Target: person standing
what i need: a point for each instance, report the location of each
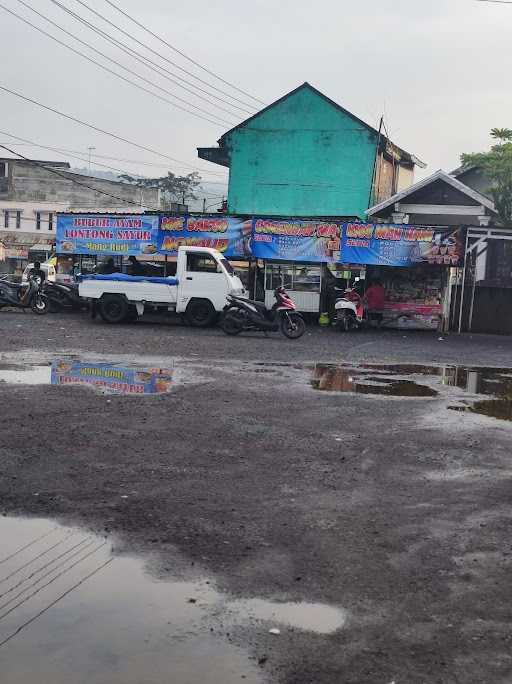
(374, 297)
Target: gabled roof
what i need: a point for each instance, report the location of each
(438, 175)
(307, 86)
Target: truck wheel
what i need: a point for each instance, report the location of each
(113, 308)
(200, 313)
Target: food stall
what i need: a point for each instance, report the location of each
(414, 296)
(303, 282)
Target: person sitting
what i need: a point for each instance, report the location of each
(107, 267)
(36, 273)
(135, 268)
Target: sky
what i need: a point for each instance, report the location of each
(435, 70)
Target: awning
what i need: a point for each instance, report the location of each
(41, 247)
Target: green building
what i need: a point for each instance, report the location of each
(305, 155)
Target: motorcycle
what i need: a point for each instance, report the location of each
(23, 296)
(349, 311)
(63, 296)
(245, 314)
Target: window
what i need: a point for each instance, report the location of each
(3, 169)
(201, 263)
(228, 266)
(50, 221)
(38, 220)
(18, 219)
(6, 218)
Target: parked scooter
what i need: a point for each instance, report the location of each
(63, 296)
(245, 314)
(349, 311)
(23, 296)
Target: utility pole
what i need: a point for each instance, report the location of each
(204, 205)
(90, 151)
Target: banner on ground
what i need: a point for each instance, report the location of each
(121, 235)
(382, 244)
(291, 240)
(112, 379)
(228, 234)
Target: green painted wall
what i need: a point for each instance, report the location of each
(301, 157)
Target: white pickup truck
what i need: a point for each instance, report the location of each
(203, 280)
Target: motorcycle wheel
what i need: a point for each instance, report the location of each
(54, 305)
(293, 326)
(344, 321)
(231, 326)
(40, 305)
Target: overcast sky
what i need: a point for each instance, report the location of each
(436, 70)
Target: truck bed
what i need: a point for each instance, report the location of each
(134, 288)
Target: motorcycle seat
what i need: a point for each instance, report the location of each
(258, 305)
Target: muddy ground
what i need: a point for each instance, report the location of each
(396, 510)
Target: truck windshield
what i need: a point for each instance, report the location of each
(227, 266)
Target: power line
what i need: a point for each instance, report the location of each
(101, 156)
(175, 49)
(158, 54)
(63, 572)
(84, 185)
(497, 2)
(127, 80)
(50, 605)
(64, 154)
(23, 548)
(95, 128)
(148, 63)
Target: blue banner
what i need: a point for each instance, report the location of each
(293, 240)
(112, 378)
(228, 234)
(120, 235)
(384, 244)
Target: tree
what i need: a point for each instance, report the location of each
(497, 166)
(173, 188)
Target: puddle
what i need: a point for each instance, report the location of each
(105, 378)
(29, 375)
(404, 380)
(73, 611)
(312, 617)
(331, 378)
(70, 611)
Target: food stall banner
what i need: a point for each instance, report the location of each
(292, 240)
(120, 235)
(228, 234)
(112, 379)
(386, 244)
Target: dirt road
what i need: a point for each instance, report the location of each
(395, 510)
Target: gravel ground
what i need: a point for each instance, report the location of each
(393, 509)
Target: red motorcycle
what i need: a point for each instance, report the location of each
(245, 314)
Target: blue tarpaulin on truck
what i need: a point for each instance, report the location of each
(125, 278)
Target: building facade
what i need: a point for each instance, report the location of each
(31, 194)
(305, 155)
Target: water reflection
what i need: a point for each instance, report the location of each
(112, 378)
(332, 378)
(402, 380)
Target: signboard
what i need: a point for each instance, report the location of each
(291, 240)
(383, 244)
(228, 234)
(112, 379)
(121, 235)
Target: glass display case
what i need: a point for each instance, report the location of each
(303, 283)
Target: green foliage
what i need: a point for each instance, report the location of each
(173, 188)
(497, 166)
